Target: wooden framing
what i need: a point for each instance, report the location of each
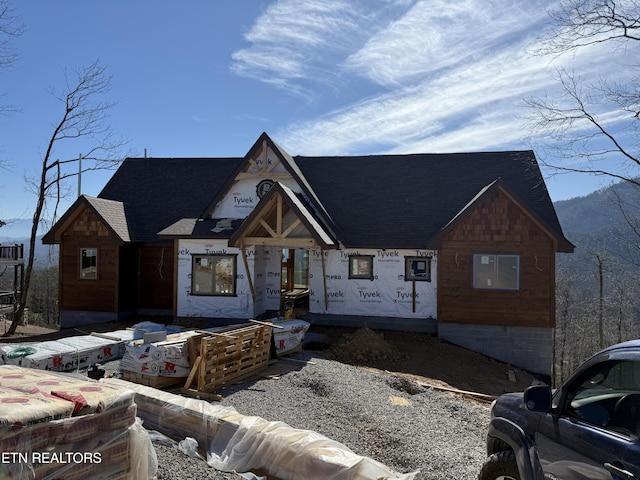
(276, 224)
(12, 255)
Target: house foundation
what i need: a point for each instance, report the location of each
(529, 348)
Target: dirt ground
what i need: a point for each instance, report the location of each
(425, 358)
(420, 357)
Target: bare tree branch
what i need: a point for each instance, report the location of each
(577, 133)
(592, 126)
(583, 23)
(10, 28)
(83, 116)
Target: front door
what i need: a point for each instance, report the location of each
(295, 276)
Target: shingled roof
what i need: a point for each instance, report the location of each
(375, 201)
(157, 192)
(403, 201)
(110, 211)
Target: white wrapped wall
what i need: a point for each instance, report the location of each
(264, 268)
(387, 295)
(243, 197)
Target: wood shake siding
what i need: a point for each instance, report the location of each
(497, 226)
(87, 231)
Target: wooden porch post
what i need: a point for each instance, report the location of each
(324, 280)
(246, 267)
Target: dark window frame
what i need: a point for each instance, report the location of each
(196, 261)
(494, 281)
(85, 271)
(353, 259)
(410, 269)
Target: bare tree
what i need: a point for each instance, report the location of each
(9, 29)
(84, 116)
(594, 122)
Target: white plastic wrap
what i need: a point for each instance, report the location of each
(67, 354)
(289, 453)
(240, 443)
(59, 425)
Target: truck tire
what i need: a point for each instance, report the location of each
(500, 466)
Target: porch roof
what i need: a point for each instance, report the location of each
(282, 218)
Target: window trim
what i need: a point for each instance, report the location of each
(81, 268)
(360, 276)
(213, 257)
(412, 277)
(497, 256)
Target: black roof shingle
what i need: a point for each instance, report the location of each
(402, 201)
(157, 192)
(375, 201)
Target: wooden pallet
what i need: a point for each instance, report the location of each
(151, 381)
(230, 356)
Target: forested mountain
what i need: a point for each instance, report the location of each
(597, 286)
(604, 224)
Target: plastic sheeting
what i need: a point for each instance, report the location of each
(59, 425)
(235, 442)
(289, 453)
(67, 354)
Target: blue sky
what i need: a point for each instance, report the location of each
(204, 78)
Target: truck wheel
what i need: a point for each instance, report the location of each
(500, 466)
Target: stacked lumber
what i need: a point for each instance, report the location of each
(67, 354)
(58, 425)
(179, 417)
(202, 360)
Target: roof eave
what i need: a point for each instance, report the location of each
(561, 243)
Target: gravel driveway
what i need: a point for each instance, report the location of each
(388, 418)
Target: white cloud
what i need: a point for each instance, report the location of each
(445, 76)
(200, 118)
(304, 40)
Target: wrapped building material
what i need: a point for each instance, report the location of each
(66, 354)
(244, 443)
(289, 338)
(59, 425)
(168, 358)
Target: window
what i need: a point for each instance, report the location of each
(213, 275)
(361, 266)
(89, 263)
(608, 395)
(417, 269)
(496, 271)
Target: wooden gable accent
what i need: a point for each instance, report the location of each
(261, 165)
(277, 222)
(85, 229)
(497, 225)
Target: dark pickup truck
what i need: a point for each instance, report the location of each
(588, 429)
